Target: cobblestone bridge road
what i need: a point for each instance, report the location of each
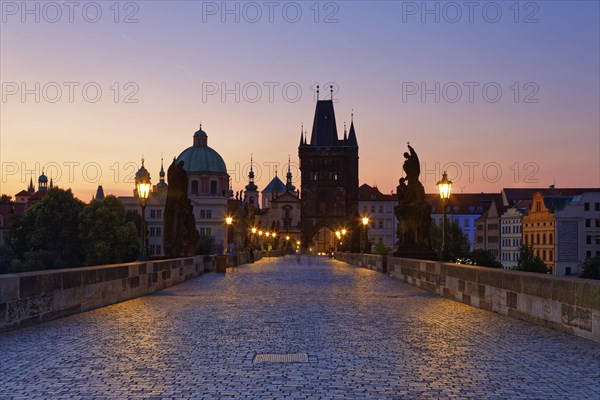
(366, 335)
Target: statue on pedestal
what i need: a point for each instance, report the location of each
(180, 234)
(413, 213)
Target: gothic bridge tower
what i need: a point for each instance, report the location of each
(329, 183)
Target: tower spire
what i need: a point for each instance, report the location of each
(317, 92)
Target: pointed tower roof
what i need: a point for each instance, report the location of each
(161, 186)
(251, 186)
(100, 193)
(324, 132)
(289, 186)
(31, 188)
(352, 136)
(302, 139)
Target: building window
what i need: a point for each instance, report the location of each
(158, 249)
(213, 187)
(544, 255)
(598, 223)
(544, 238)
(550, 241)
(596, 206)
(588, 239)
(381, 209)
(205, 214)
(152, 213)
(380, 224)
(372, 209)
(588, 223)
(194, 187)
(588, 254)
(537, 239)
(152, 231)
(151, 249)
(586, 206)
(551, 256)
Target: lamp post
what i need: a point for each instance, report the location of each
(229, 222)
(445, 187)
(365, 222)
(143, 185)
(252, 239)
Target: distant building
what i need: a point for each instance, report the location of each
(379, 208)
(564, 230)
(464, 209)
(208, 190)
(488, 229)
(511, 233)
(281, 208)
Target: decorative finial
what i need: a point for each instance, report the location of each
(352, 116)
(200, 125)
(344, 127)
(331, 91)
(142, 160)
(317, 92)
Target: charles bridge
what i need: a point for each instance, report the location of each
(278, 329)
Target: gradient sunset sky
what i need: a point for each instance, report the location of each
(168, 58)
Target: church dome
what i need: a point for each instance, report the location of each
(43, 178)
(200, 158)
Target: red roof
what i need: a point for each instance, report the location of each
(22, 193)
(369, 193)
(464, 203)
(511, 196)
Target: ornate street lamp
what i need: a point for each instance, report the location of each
(365, 222)
(229, 222)
(143, 186)
(445, 187)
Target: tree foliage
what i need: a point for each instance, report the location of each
(60, 231)
(591, 268)
(5, 200)
(46, 236)
(484, 258)
(529, 262)
(106, 235)
(457, 244)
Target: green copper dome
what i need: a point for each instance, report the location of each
(200, 158)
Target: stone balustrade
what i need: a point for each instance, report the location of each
(570, 305)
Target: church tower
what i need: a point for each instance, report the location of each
(329, 181)
(251, 195)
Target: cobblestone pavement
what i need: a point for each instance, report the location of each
(367, 336)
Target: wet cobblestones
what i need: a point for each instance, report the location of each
(367, 336)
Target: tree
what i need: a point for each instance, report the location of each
(107, 237)
(205, 245)
(46, 236)
(528, 262)
(591, 268)
(5, 200)
(381, 249)
(457, 244)
(484, 258)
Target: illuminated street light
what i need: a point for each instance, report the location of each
(445, 187)
(143, 185)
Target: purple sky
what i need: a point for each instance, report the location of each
(424, 72)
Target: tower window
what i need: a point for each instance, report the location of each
(213, 187)
(194, 187)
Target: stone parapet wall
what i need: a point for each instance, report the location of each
(32, 297)
(370, 261)
(570, 305)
